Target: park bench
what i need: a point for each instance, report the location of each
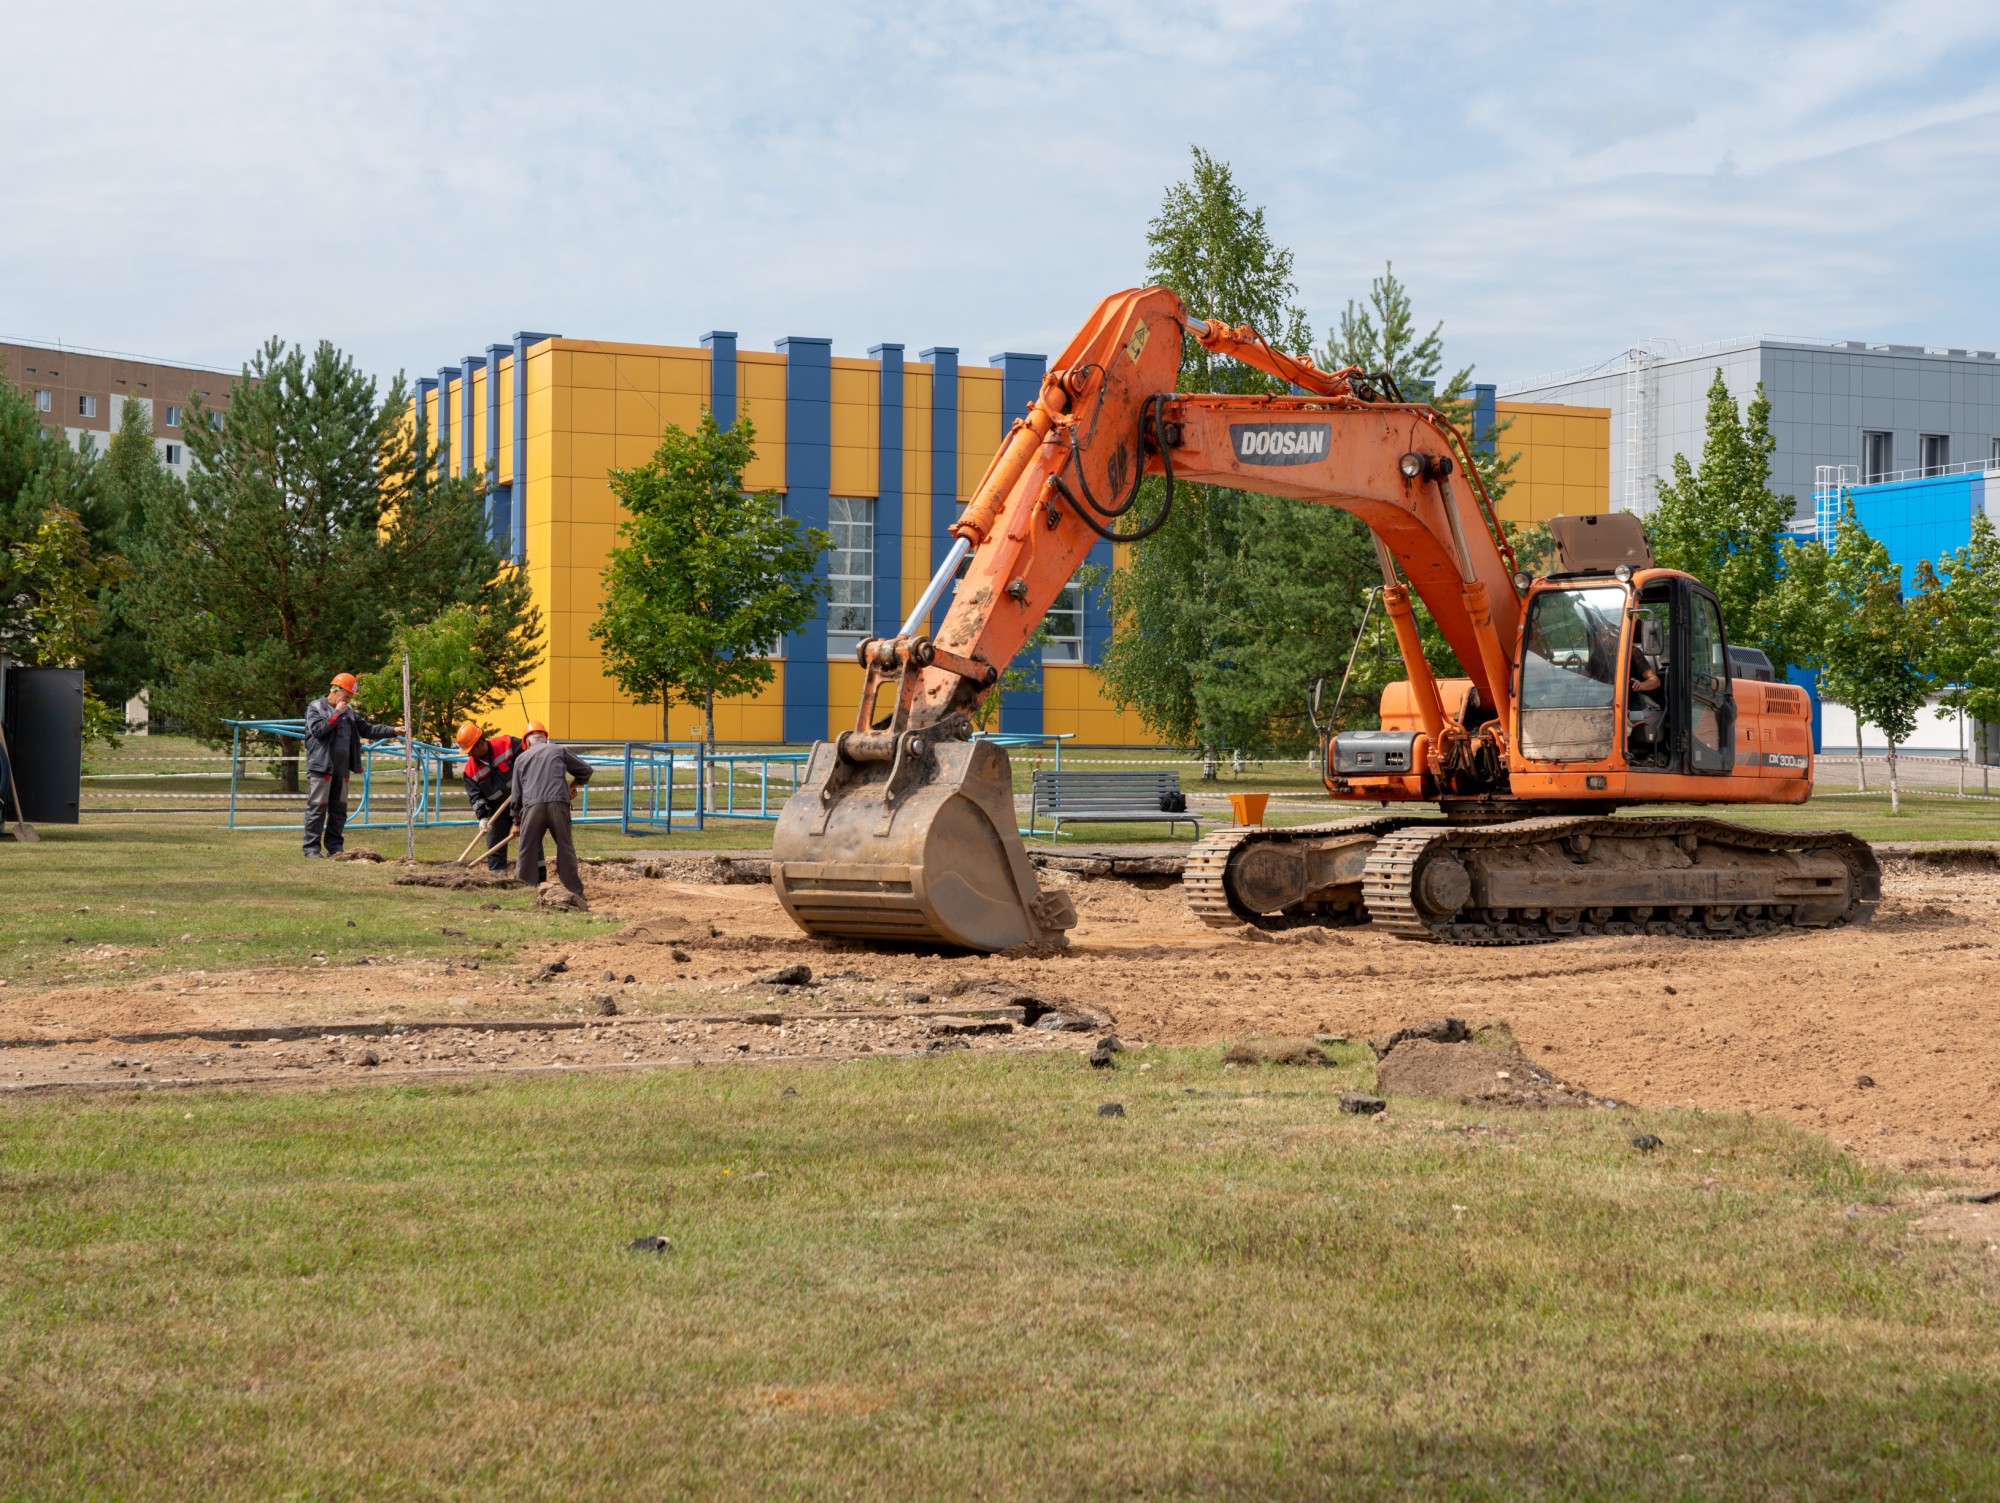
(1108, 798)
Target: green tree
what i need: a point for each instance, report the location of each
(65, 579)
(132, 484)
(310, 527)
(1723, 524)
(1844, 606)
(705, 576)
(455, 675)
(38, 469)
(1958, 601)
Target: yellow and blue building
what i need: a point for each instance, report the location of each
(881, 452)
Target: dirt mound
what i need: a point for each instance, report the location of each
(1471, 1073)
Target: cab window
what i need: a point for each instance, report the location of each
(1571, 658)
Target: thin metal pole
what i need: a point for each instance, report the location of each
(409, 766)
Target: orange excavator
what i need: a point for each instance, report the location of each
(1606, 684)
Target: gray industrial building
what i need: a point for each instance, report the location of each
(1842, 411)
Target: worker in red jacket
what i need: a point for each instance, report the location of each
(489, 776)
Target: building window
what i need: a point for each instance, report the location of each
(86, 406)
(1877, 457)
(850, 574)
(1064, 642)
(173, 417)
(215, 421)
(45, 401)
(173, 454)
(1994, 462)
(1937, 452)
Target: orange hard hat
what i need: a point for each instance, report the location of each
(342, 681)
(534, 726)
(469, 736)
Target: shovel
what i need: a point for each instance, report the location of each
(485, 825)
(22, 829)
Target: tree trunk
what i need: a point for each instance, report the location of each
(1895, 793)
(1961, 754)
(288, 769)
(1860, 754)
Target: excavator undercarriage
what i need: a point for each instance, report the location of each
(1533, 881)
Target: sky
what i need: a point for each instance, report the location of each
(1554, 182)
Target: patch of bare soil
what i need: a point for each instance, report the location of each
(1786, 1025)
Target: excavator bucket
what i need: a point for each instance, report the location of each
(922, 849)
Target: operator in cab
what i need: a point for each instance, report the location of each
(489, 772)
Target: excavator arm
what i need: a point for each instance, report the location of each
(903, 827)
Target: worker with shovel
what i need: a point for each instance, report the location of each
(543, 799)
(335, 729)
(489, 776)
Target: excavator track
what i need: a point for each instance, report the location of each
(1205, 877)
(1830, 877)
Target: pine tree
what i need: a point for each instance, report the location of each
(704, 576)
(311, 526)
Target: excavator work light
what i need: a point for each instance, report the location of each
(1417, 466)
(1522, 581)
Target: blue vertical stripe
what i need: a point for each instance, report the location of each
(466, 367)
(517, 527)
(426, 388)
(721, 347)
(944, 453)
(445, 375)
(1485, 414)
(1020, 381)
(889, 490)
(808, 478)
(498, 515)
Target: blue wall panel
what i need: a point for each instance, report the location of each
(889, 491)
(1918, 519)
(1020, 381)
(499, 514)
(426, 385)
(446, 374)
(808, 478)
(721, 347)
(944, 454)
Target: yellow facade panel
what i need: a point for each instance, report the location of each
(638, 415)
(632, 450)
(591, 455)
(592, 370)
(854, 471)
(685, 373)
(592, 411)
(637, 372)
(682, 410)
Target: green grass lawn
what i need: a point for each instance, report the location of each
(950, 1278)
